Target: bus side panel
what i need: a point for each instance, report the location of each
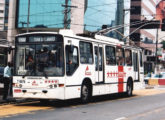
(73, 82)
(72, 92)
(129, 74)
(103, 89)
(111, 77)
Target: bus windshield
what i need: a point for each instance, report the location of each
(39, 59)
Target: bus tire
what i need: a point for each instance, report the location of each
(85, 93)
(129, 88)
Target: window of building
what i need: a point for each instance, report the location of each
(110, 55)
(110, 13)
(136, 10)
(43, 13)
(145, 52)
(1, 11)
(86, 53)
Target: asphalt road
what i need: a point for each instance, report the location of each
(113, 107)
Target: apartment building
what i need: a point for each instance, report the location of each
(146, 10)
(4, 5)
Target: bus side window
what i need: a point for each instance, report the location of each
(141, 60)
(110, 55)
(128, 57)
(120, 56)
(86, 53)
(72, 61)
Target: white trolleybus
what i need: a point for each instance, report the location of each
(63, 66)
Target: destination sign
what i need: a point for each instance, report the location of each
(22, 39)
(39, 38)
(36, 39)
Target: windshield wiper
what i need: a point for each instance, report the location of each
(24, 75)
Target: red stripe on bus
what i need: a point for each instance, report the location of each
(120, 79)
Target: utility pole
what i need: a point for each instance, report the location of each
(156, 54)
(66, 14)
(66, 11)
(28, 17)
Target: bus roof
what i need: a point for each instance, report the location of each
(97, 38)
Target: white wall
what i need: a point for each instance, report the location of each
(77, 16)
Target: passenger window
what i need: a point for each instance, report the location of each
(128, 57)
(120, 56)
(141, 60)
(72, 61)
(86, 53)
(110, 55)
(135, 61)
(98, 58)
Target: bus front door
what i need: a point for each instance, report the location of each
(98, 63)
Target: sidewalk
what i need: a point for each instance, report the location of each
(10, 100)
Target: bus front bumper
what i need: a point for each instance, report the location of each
(57, 93)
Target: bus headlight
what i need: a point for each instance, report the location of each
(17, 85)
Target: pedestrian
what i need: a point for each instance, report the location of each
(7, 80)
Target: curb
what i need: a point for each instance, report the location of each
(149, 87)
(11, 101)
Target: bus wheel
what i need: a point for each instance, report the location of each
(129, 88)
(85, 93)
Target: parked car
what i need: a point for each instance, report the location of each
(162, 73)
(153, 76)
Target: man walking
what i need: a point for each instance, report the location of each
(7, 79)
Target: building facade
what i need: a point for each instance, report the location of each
(147, 38)
(4, 5)
(143, 10)
(80, 16)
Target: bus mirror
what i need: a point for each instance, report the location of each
(71, 48)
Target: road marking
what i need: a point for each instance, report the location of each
(121, 118)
